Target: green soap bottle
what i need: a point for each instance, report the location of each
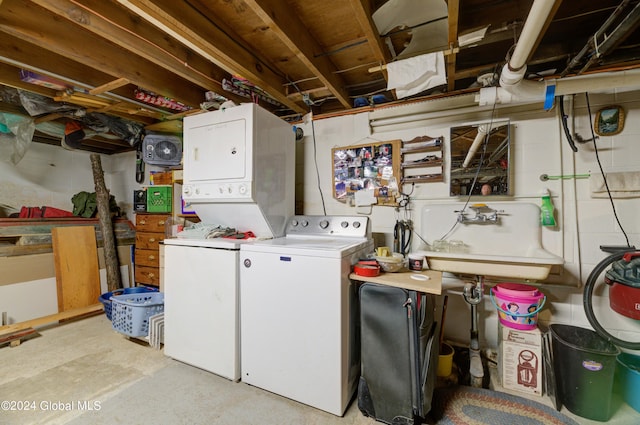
(546, 211)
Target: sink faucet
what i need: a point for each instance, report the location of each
(482, 214)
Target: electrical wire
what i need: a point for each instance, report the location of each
(315, 159)
(477, 174)
(604, 177)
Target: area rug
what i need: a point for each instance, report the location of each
(464, 405)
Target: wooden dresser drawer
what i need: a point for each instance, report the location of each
(147, 275)
(146, 240)
(151, 222)
(147, 257)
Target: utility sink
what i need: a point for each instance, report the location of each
(509, 247)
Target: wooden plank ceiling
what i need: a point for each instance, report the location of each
(291, 56)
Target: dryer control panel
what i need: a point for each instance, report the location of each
(329, 225)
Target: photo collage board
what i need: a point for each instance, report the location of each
(373, 166)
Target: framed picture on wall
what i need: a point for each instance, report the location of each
(609, 121)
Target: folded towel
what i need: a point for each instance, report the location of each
(417, 74)
(621, 185)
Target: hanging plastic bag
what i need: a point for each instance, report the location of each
(16, 133)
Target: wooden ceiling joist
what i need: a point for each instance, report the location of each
(211, 43)
(38, 27)
(277, 15)
(109, 86)
(453, 15)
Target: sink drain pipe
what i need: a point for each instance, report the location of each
(472, 294)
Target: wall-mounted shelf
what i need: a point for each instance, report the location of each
(422, 160)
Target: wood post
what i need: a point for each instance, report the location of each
(106, 225)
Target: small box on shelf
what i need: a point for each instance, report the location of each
(160, 178)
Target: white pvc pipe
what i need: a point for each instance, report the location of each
(482, 132)
(534, 91)
(533, 26)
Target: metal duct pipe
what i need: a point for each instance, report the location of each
(622, 31)
(589, 44)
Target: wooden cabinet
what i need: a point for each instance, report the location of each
(150, 231)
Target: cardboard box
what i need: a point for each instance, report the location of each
(520, 360)
(160, 178)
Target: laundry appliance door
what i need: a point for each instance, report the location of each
(201, 308)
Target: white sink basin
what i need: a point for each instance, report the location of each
(510, 248)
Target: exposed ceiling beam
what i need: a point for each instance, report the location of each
(114, 23)
(453, 7)
(277, 15)
(36, 26)
(363, 13)
(196, 32)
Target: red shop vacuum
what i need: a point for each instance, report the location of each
(623, 279)
(622, 275)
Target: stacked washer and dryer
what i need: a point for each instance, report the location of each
(277, 311)
(238, 173)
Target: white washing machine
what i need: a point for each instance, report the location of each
(298, 310)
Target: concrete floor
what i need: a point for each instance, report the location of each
(85, 373)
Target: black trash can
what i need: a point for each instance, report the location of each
(584, 366)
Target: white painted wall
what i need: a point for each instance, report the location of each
(49, 176)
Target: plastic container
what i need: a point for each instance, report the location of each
(628, 370)
(105, 298)
(584, 364)
(517, 304)
(416, 262)
(547, 217)
(130, 312)
(445, 360)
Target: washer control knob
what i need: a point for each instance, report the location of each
(243, 189)
(304, 223)
(324, 224)
(294, 223)
(344, 224)
(356, 224)
(186, 190)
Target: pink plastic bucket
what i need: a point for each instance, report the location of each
(517, 304)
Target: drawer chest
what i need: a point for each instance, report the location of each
(150, 231)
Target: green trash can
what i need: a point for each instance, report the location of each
(584, 366)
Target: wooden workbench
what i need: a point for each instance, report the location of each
(407, 280)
